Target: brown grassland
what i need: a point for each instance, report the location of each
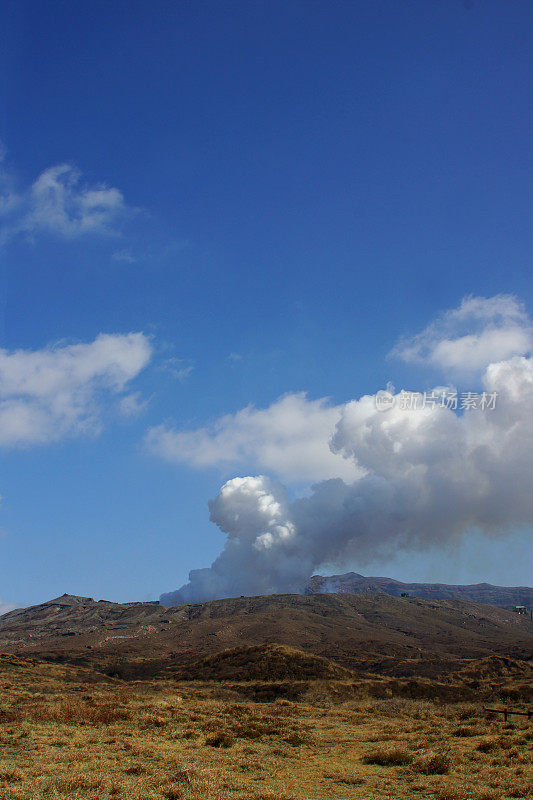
(69, 732)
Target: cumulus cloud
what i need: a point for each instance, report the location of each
(58, 391)
(420, 477)
(289, 438)
(61, 203)
(466, 339)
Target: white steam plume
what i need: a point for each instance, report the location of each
(427, 476)
(432, 475)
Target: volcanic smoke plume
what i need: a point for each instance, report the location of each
(428, 476)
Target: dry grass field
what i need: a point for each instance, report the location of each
(67, 732)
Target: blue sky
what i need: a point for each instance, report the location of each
(271, 195)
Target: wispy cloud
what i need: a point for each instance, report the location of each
(63, 390)
(178, 368)
(61, 203)
(133, 405)
(480, 331)
(124, 255)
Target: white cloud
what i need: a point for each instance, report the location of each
(466, 339)
(289, 438)
(59, 391)
(133, 405)
(59, 202)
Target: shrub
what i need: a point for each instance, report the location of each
(385, 758)
(75, 711)
(221, 739)
(433, 764)
(181, 776)
(9, 775)
(466, 731)
(10, 715)
(295, 739)
(134, 769)
(487, 746)
(174, 793)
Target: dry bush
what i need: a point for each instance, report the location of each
(123, 697)
(466, 731)
(518, 791)
(134, 769)
(9, 775)
(174, 793)
(249, 731)
(181, 776)
(488, 745)
(153, 721)
(80, 712)
(295, 739)
(10, 714)
(385, 758)
(220, 739)
(142, 669)
(433, 764)
(464, 711)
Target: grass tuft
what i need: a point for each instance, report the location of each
(433, 764)
(393, 757)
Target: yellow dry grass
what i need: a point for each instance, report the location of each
(66, 734)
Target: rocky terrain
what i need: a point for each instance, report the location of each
(353, 583)
(364, 633)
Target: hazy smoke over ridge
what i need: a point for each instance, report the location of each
(428, 476)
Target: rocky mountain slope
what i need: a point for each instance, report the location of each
(367, 633)
(353, 583)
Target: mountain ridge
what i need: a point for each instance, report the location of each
(364, 632)
(490, 594)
